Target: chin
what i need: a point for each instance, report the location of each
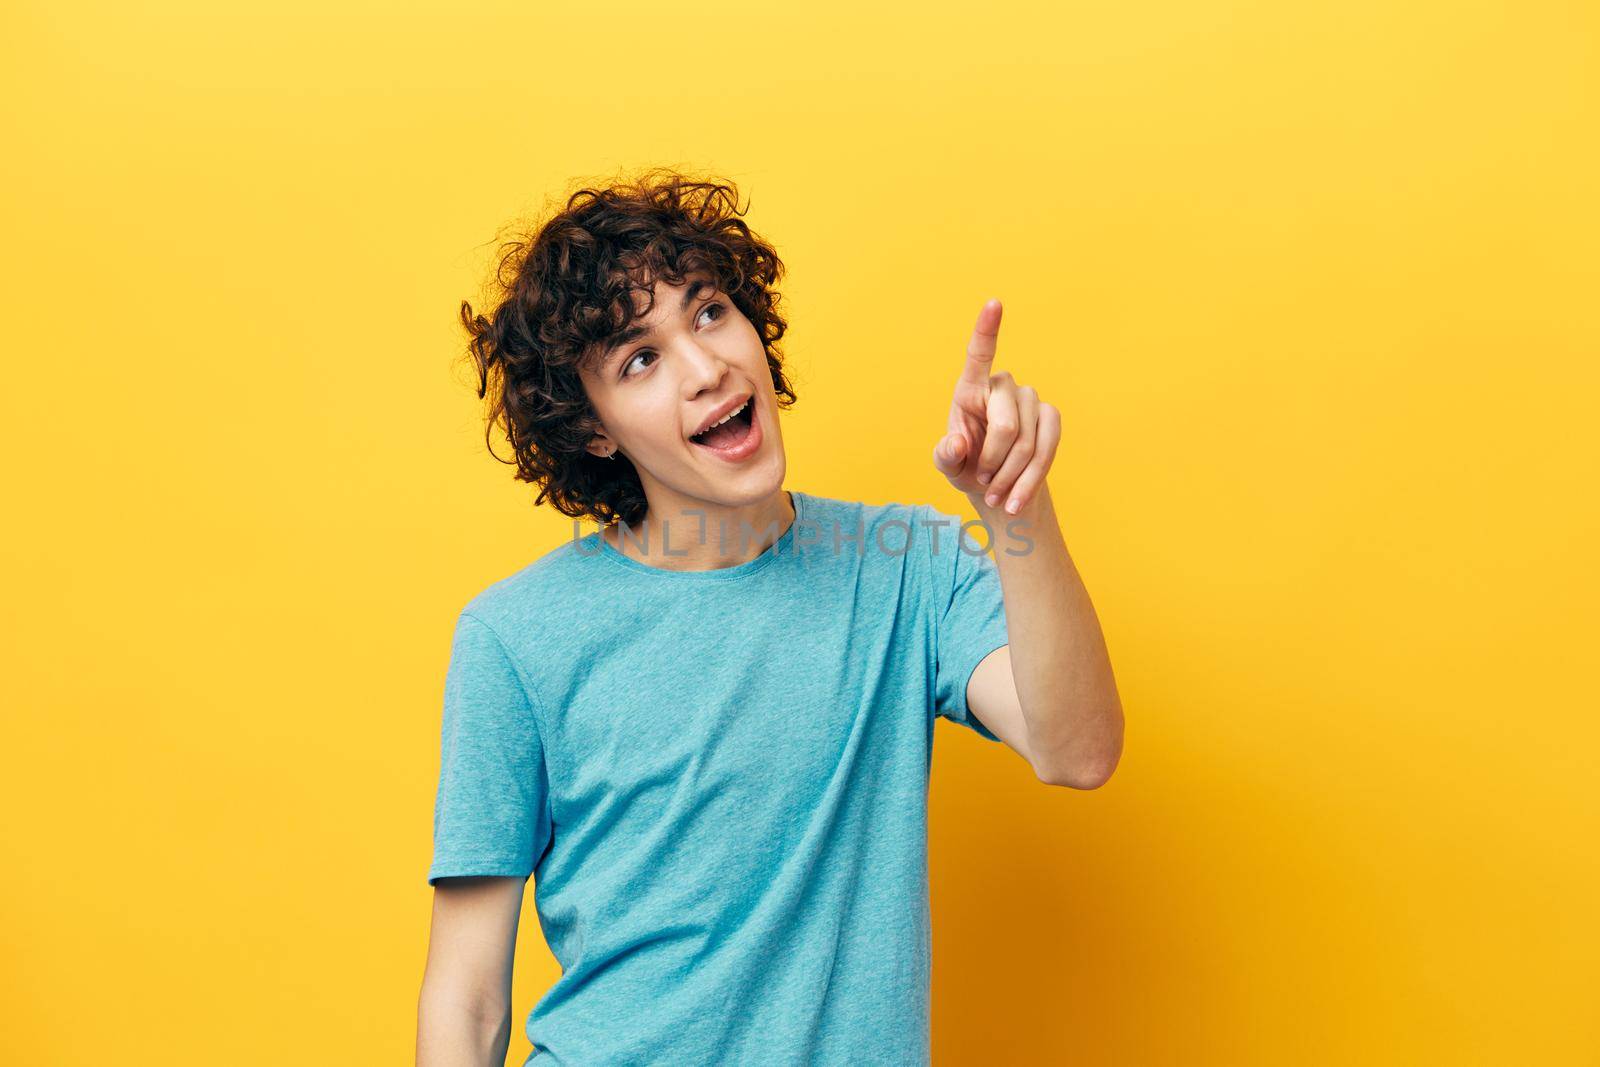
(742, 488)
(751, 487)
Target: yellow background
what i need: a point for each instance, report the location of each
(1313, 285)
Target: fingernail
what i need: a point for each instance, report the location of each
(1013, 504)
(992, 499)
(983, 479)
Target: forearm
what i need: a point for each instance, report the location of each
(453, 1033)
(1059, 662)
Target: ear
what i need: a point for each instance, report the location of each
(601, 445)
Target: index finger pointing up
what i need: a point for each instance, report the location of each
(980, 350)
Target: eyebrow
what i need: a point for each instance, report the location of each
(633, 333)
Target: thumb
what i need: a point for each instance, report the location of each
(949, 454)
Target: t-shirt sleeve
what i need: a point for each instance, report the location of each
(491, 812)
(971, 614)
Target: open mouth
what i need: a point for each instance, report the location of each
(731, 431)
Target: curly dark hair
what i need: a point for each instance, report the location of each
(562, 291)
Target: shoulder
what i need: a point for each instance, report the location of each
(892, 520)
(928, 530)
(534, 591)
(917, 541)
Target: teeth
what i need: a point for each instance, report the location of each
(725, 418)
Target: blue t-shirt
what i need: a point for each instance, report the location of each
(718, 780)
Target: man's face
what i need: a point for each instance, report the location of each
(697, 358)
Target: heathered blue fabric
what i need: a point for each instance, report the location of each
(719, 781)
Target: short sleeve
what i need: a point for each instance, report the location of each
(971, 614)
(491, 812)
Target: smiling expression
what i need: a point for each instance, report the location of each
(690, 362)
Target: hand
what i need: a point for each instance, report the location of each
(1002, 438)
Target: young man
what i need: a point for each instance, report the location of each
(705, 730)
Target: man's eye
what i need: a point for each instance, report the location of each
(637, 355)
(721, 312)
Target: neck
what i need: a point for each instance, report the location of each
(699, 535)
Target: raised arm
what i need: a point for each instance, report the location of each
(1050, 694)
(464, 1010)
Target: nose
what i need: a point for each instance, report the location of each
(704, 369)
